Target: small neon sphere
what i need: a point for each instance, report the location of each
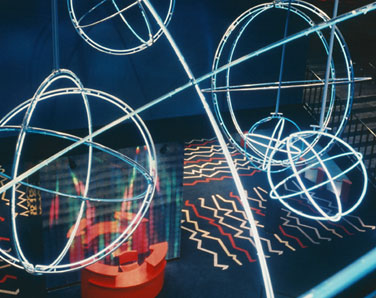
(335, 168)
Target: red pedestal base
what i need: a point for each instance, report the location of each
(127, 281)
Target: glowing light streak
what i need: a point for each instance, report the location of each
(217, 172)
(207, 180)
(306, 226)
(268, 242)
(292, 237)
(285, 85)
(206, 234)
(129, 26)
(189, 159)
(6, 277)
(354, 226)
(191, 144)
(301, 202)
(258, 211)
(249, 198)
(344, 278)
(211, 166)
(342, 227)
(286, 224)
(211, 150)
(221, 219)
(330, 230)
(282, 57)
(263, 190)
(286, 243)
(362, 223)
(258, 194)
(229, 236)
(313, 194)
(9, 292)
(199, 247)
(235, 208)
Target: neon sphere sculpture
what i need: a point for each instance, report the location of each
(331, 174)
(45, 95)
(136, 31)
(227, 90)
(262, 144)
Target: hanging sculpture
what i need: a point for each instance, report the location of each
(298, 147)
(225, 55)
(133, 19)
(272, 150)
(305, 139)
(47, 94)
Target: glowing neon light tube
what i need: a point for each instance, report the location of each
(286, 84)
(226, 152)
(352, 14)
(344, 278)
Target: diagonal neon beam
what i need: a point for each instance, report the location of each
(347, 16)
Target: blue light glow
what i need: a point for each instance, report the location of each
(344, 278)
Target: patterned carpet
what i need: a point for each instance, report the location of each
(218, 257)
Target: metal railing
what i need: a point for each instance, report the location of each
(356, 132)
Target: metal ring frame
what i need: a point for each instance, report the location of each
(288, 143)
(28, 107)
(242, 22)
(119, 13)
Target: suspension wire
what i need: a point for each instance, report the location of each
(328, 63)
(282, 59)
(55, 35)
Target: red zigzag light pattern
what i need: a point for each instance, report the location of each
(293, 237)
(7, 276)
(212, 222)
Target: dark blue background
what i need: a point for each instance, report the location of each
(26, 57)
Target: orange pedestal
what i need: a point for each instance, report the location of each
(127, 281)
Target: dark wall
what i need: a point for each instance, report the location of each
(197, 26)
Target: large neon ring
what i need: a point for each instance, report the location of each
(317, 161)
(28, 107)
(140, 42)
(305, 11)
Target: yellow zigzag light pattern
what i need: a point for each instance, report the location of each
(279, 252)
(205, 234)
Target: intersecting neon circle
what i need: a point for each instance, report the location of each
(46, 94)
(317, 161)
(265, 136)
(225, 53)
(139, 35)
